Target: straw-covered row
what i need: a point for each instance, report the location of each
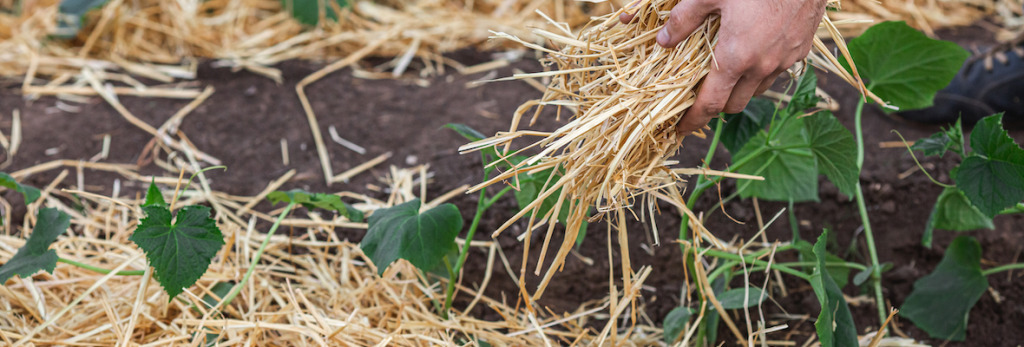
(627, 93)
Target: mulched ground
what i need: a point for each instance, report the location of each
(245, 120)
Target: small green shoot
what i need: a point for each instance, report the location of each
(179, 246)
(35, 255)
(28, 192)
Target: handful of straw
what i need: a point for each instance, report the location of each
(627, 93)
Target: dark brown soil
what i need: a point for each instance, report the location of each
(244, 121)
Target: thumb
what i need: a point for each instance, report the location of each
(685, 17)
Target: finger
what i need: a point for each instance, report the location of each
(767, 83)
(682, 21)
(627, 17)
(711, 99)
(741, 94)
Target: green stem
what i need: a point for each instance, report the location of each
(100, 270)
(876, 269)
(851, 265)
(749, 259)
(1019, 208)
(794, 223)
(256, 258)
(1007, 267)
(483, 203)
(701, 181)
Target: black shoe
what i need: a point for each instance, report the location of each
(988, 83)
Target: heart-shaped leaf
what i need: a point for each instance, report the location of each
(940, 302)
(179, 251)
(992, 176)
(403, 232)
(903, 66)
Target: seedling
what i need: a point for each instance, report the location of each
(989, 181)
(179, 246)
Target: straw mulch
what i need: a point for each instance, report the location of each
(313, 289)
(160, 39)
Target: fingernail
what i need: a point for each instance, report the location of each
(663, 37)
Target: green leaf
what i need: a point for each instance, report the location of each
(179, 251)
(865, 274)
(675, 323)
(35, 255)
(733, 299)
(992, 176)
(804, 97)
(940, 302)
(71, 16)
(937, 144)
(834, 150)
(835, 323)
(990, 140)
(467, 132)
(29, 193)
(308, 11)
(788, 165)
(903, 66)
(740, 127)
(314, 200)
(840, 274)
(990, 185)
(953, 211)
(153, 195)
(403, 232)
(221, 289)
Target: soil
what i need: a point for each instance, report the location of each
(245, 120)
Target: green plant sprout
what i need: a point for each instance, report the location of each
(178, 246)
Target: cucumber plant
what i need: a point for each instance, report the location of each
(790, 146)
(989, 181)
(178, 245)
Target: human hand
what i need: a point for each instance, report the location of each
(757, 40)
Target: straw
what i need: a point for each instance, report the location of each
(628, 93)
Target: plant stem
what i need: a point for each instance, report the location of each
(851, 265)
(749, 259)
(483, 203)
(100, 270)
(876, 269)
(1007, 267)
(1019, 208)
(256, 258)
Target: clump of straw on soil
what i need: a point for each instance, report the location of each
(627, 93)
